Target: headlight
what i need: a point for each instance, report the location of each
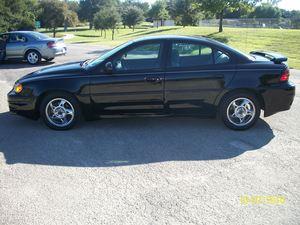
(18, 88)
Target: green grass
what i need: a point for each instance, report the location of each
(286, 42)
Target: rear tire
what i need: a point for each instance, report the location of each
(60, 111)
(240, 111)
(33, 57)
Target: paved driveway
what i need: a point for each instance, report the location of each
(12, 70)
(146, 170)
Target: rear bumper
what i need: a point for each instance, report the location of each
(53, 52)
(60, 51)
(24, 106)
(278, 98)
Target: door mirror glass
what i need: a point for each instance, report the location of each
(109, 67)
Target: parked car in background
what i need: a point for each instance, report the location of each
(33, 46)
(173, 75)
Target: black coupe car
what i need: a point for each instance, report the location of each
(173, 75)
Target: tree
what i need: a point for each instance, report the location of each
(73, 5)
(218, 7)
(99, 21)
(107, 18)
(17, 14)
(266, 10)
(132, 16)
(295, 19)
(112, 20)
(88, 8)
(185, 12)
(71, 17)
(293, 16)
(53, 14)
(242, 11)
(159, 11)
(144, 6)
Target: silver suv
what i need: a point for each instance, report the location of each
(32, 46)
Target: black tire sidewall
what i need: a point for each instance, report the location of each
(228, 99)
(68, 97)
(39, 57)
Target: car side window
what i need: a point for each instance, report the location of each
(15, 38)
(221, 57)
(21, 38)
(190, 55)
(143, 57)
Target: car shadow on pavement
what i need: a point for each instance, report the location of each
(126, 141)
(19, 64)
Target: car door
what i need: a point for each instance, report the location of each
(195, 76)
(135, 84)
(16, 45)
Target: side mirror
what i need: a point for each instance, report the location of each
(109, 67)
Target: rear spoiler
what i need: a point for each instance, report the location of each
(272, 56)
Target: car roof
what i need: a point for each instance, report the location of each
(207, 40)
(21, 32)
(171, 37)
(184, 38)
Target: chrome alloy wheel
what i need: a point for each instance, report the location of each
(241, 111)
(32, 57)
(59, 112)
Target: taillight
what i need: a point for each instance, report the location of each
(285, 75)
(51, 44)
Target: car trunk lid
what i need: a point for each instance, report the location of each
(55, 42)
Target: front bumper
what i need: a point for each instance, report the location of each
(22, 105)
(278, 98)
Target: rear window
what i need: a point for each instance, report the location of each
(39, 36)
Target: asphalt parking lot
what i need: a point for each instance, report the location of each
(154, 170)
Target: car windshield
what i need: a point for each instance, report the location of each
(39, 35)
(94, 62)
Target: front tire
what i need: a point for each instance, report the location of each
(240, 111)
(33, 57)
(60, 111)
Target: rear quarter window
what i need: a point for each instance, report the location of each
(221, 57)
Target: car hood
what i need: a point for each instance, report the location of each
(68, 69)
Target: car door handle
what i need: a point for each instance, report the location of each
(153, 79)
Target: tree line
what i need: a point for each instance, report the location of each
(108, 14)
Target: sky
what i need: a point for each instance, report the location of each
(290, 4)
(284, 4)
